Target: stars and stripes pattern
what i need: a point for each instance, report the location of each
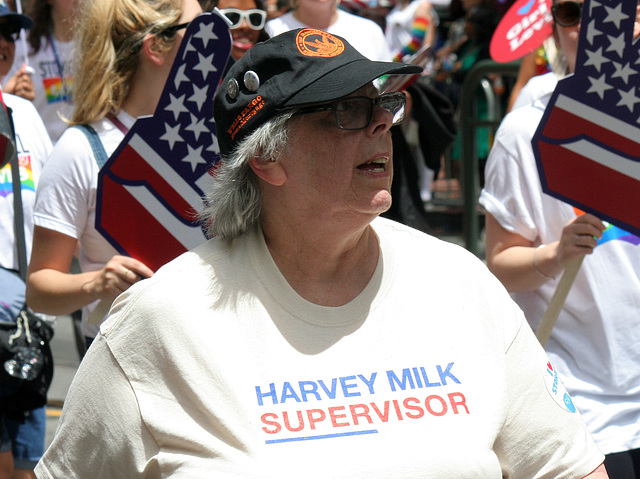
(153, 184)
(587, 145)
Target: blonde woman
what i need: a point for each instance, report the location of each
(125, 50)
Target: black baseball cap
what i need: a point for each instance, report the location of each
(17, 19)
(294, 68)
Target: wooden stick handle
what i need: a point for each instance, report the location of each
(557, 301)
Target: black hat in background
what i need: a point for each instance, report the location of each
(14, 18)
(295, 68)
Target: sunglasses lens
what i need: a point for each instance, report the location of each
(354, 113)
(234, 18)
(10, 34)
(394, 104)
(567, 14)
(256, 19)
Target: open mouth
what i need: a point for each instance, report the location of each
(242, 42)
(379, 165)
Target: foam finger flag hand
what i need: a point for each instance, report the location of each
(587, 145)
(151, 187)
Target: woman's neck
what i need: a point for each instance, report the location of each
(61, 27)
(329, 272)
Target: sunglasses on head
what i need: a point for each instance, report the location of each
(567, 14)
(9, 32)
(254, 17)
(173, 29)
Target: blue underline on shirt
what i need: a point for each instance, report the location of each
(323, 436)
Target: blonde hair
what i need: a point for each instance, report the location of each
(108, 44)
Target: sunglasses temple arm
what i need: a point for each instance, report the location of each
(217, 10)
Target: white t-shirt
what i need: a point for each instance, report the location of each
(537, 87)
(363, 34)
(66, 200)
(52, 87)
(33, 145)
(595, 342)
(399, 22)
(216, 367)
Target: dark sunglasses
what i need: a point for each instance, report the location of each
(567, 14)
(355, 112)
(173, 29)
(254, 17)
(10, 32)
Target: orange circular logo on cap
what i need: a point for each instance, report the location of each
(316, 43)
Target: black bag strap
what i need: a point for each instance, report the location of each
(99, 153)
(18, 212)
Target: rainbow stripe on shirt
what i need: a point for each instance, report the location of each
(26, 176)
(55, 90)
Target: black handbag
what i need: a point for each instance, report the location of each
(26, 362)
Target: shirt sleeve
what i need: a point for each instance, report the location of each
(544, 435)
(512, 189)
(101, 432)
(67, 190)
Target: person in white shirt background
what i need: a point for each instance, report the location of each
(21, 438)
(532, 237)
(48, 53)
(365, 35)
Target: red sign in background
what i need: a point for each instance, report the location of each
(522, 29)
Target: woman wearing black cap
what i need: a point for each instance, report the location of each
(297, 341)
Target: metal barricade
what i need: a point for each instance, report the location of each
(468, 126)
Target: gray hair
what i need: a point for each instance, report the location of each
(234, 202)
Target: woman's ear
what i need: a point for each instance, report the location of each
(270, 171)
(153, 49)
